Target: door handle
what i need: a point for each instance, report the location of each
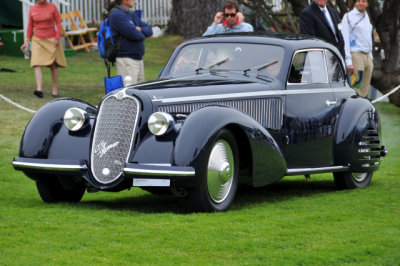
(329, 103)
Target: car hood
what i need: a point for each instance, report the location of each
(186, 87)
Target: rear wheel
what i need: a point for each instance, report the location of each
(51, 189)
(219, 173)
(347, 180)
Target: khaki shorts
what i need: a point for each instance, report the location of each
(130, 67)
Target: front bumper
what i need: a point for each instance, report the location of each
(145, 174)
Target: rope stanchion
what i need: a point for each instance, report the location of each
(386, 95)
(16, 104)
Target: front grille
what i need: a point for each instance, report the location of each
(369, 148)
(268, 112)
(113, 135)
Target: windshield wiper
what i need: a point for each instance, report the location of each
(260, 67)
(213, 65)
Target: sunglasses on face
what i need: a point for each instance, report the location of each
(230, 15)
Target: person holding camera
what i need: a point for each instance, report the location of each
(231, 20)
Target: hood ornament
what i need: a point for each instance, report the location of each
(120, 95)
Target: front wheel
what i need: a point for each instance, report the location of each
(51, 190)
(348, 180)
(218, 168)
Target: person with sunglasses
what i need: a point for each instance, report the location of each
(231, 20)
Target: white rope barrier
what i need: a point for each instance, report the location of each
(16, 104)
(386, 95)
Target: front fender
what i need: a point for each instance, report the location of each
(358, 138)
(199, 131)
(46, 137)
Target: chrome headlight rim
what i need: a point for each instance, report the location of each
(160, 123)
(75, 119)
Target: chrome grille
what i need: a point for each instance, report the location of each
(113, 136)
(268, 112)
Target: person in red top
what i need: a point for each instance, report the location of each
(46, 47)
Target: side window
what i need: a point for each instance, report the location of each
(308, 67)
(335, 70)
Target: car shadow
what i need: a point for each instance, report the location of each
(246, 196)
(282, 191)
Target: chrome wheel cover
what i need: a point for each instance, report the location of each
(220, 171)
(359, 177)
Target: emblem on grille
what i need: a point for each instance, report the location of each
(120, 95)
(102, 148)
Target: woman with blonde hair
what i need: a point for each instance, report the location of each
(46, 48)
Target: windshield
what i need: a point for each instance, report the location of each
(228, 56)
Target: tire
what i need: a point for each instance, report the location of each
(348, 180)
(218, 170)
(51, 190)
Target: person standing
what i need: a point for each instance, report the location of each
(357, 34)
(322, 21)
(46, 48)
(231, 20)
(129, 32)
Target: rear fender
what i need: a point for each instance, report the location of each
(358, 138)
(201, 127)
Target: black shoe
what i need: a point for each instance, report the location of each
(38, 94)
(55, 95)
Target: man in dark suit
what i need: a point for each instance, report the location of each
(322, 21)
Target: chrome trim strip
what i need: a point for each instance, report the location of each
(316, 170)
(165, 81)
(158, 172)
(249, 94)
(60, 167)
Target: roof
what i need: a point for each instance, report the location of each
(288, 40)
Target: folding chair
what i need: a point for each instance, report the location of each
(77, 17)
(81, 31)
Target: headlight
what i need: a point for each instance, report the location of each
(160, 123)
(75, 118)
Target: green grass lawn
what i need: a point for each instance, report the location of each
(295, 221)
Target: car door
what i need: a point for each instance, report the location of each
(310, 112)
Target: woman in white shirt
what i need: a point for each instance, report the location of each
(357, 35)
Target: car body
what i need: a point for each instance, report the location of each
(227, 109)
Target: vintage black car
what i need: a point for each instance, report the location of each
(225, 110)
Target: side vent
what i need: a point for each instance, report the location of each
(369, 148)
(268, 112)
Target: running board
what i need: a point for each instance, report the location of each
(303, 171)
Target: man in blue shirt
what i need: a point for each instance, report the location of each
(357, 34)
(129, 32)
(229, 21)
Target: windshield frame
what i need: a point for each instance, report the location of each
(201, 62)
